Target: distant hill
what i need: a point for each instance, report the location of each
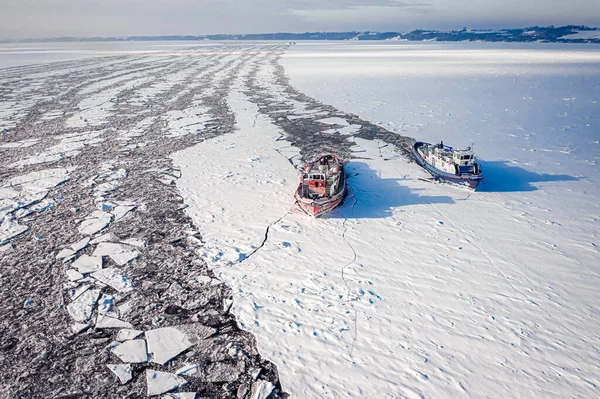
(541, 34)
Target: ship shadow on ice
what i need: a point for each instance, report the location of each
(501, 176)
(372, 197)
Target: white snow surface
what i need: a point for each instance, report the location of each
(412, 289)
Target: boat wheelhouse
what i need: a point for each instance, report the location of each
(322, 185)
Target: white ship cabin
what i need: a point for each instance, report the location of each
(448, 160)
(464, 157)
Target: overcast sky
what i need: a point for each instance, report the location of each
(52, 18)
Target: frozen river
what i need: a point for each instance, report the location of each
(153, 184)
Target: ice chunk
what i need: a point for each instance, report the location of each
(105, 305)
(117, 252)
(187, 369)
(136, 242)
(132, 351)
(180, 395)
(123, 371)
(79, 327)
(114, 279)
(88, 264)
(42, 205)
(74, 275)
(262, 389)
(166, 343)
(74, 293)
(10, 229)
(81, 244)
(334, 121)
(42, 180)
(65, 253)
(159, 382)
(121, 211)
(110, 322)
(126, 334)
(103, 238)
(81, 308)
(97, 221)
(125, 307)
(105, 206)
(125, 257)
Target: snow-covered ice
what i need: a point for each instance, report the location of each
(159, 382)
(88, 264)
(132, 351)
(127, 334)
(82, 307)
(166, 343)
(113, 278)
(121, 254)
(111, 322)
(412, 289)
(122, 371)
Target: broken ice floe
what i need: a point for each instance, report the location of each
(73, 275)
(262, 389)
(346, 130)
(188, 369)
(74, 293)
(88, 264)
(128, 334)
(131, 351)
(123, 371)
(81, 244)
(70, 145)
(21, 144)
(79, 327)
(105, 306)
(23, 195)
(110, 322)
(95, 222)
(81, 308)
(103, 238)
(166, 343)
(180, 395)
(188, 121)
(334, 121)
(114, 279)
(159, 382)
(10, 229)
(119, 253)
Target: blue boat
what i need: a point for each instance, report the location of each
(448, 165)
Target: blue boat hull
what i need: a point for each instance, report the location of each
(466, 179)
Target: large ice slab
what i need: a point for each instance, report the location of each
(121, 254)
(132, 351)
(166, 343)
(88, 264)
(122, 371)
(81, 309)
(95, 222)
(159, 382)
(111, 322)
(113, 278)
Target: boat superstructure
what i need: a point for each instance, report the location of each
(448, 164)
(322, 185)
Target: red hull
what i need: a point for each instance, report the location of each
(318, 207)
(322, 185)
